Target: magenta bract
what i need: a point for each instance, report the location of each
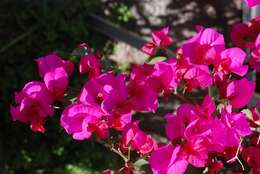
(33, 105)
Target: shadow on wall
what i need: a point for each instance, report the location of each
(181, 15)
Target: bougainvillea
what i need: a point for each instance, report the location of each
(252, 3)
(213, 131)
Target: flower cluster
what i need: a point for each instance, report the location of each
(35, 102)
(199, 137)
(212, 135)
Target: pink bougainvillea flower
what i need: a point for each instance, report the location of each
(204, 47)
(91, 65)
(109, 85)
(160, 39)
(105, 87)
(176, 124)
(239, 92)
(142, 97)
(255, 60)
(244, 35)
(33, 105)
(174, 127)
(165, 74)
(149, 48)
(252, 3)
(55, 73)
(231, 60)
(119, 121)
(236, 126)
(197, 76)
(160, 77)
(208, 131)
(109, 92)
(164, 160)
(241, 36)
(135, 138)
(56, 82)
(175, 160)
(140, 73)
(196, 150)
(51, 62)
(251, 155)
(82, 120)
(207, 107)
(254, 26)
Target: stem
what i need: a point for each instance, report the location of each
(113, 150)
(75, 90)
(120, 154)
(258, 140)
(240, 162)
(129, 153)
(19, 38)
(237, 152)
(236, 156)
(182, 98)
(210, 91)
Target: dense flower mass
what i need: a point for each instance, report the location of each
(212, 129)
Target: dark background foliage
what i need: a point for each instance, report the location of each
(30, 29)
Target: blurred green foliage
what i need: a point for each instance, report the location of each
(123, 13)
(30, 29)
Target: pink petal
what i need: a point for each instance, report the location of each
(56, 82)
(149, 49)
(239, 92)
(252, 3)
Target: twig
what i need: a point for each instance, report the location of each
(236, 156)
(19, 38)
(210, 91)
(120, 154)
(182, 98)
(129, 153)
(113, 150)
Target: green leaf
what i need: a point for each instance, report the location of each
(123, 68)
(139, 163)
(157, 59)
